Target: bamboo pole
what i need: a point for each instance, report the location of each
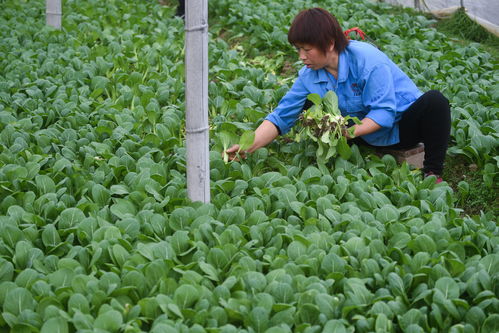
(196, 94)
(53, 12)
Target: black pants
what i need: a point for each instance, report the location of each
(427, 120)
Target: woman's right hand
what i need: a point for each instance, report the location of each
(264, 135)
(234, 153)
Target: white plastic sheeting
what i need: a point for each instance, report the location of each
(484, 12)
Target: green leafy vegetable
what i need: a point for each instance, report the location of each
(324, 124)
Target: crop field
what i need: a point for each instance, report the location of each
(98, 235)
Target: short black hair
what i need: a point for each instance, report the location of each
(317, 27)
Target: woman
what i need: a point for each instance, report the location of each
(393, 112)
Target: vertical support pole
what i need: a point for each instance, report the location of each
(53, 13)
(196, 94)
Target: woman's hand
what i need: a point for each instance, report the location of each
(264, 135)
(234, 153)
(367, 126)
(347, 132)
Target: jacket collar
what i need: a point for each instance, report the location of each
(343, 66)
(322, 74)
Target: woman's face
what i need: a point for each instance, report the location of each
(312, 57)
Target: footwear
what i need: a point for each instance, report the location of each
(439, 178)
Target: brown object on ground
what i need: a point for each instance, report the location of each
(413, 156)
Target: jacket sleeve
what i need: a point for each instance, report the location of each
(289, 108)
(379, 96)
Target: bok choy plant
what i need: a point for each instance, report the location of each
(324, 124)
(228, 138)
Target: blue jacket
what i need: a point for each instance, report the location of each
(369, 85)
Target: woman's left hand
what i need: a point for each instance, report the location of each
(348, 132)
(367, 126)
